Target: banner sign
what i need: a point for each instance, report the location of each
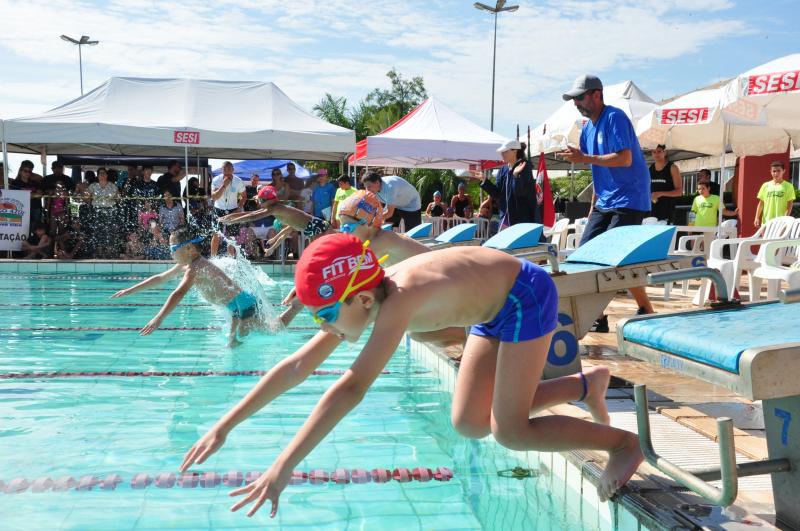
(695, 115)
(773, 83)
(186, 137)
(15, 216)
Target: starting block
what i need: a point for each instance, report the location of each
(753, 350)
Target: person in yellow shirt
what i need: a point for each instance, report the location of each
(776, 197)
(345, 190)
(706, 207)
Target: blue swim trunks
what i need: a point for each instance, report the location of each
(530, 311)
(244, 305)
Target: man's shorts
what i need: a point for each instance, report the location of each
(244, 305)
(530, 311)
(316, 227)
(229, 230)
(602, 220)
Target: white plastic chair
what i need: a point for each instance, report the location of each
(777, 261)
(558, 232)
(574, 239)
(650, 221)
(743, 259)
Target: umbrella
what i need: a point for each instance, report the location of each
(767, 96)
(246, 168)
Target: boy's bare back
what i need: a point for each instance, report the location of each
(397, 246)
(215, 286)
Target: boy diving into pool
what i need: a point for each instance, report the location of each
(498, 386)
(212, 283)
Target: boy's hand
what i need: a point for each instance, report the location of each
(154, 323)
(267, 487)
(202, 449)
(120, 293)
(289, 298)
(757, 222)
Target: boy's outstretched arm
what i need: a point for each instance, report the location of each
(286, 374)
(149, 282)
(245, 217)
(173, 300)
(342, 397)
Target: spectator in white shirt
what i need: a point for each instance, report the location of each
(228, 194)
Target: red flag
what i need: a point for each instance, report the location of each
(544, 193)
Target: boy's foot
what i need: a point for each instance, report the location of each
(600, 325)
(622, 463)
(597, 379)
(643, 311)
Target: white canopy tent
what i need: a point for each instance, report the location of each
(430, 136)
(564, 126)
(173, 117)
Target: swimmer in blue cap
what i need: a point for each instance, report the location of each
(212, 283)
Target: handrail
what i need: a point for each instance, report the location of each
(550, 253)
(789, 296)
(727, 455)
(691, 273)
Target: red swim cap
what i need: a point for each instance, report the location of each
(324, 270)
(267, 192)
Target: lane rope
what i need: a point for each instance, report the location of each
(154, 374)
(210, 480)
(130, 328)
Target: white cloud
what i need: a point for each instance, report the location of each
(311, 47)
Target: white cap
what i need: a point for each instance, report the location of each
(509, 145)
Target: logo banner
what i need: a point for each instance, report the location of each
(15, 217)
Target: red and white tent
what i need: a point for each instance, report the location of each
(431, 136)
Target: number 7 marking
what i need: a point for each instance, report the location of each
(787, 418)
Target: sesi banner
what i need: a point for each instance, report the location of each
(774, 82)
(696, 115)
(186, 137)
(15, 215)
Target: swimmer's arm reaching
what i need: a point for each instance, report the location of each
(244, 217)
(286, 374)
(155, 280)
(337, 402)
(172, 301)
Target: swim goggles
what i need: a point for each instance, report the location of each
(330, 314)
(174, 247)
(348, 228)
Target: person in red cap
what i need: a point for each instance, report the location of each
(341, 281)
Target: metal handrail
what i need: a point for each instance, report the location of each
(789, 296)
(550, 253)
(691, 273)
(727, 455)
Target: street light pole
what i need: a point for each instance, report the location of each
(499, 7)
(83, 40)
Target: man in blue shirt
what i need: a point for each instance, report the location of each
(322, 195)
(620, 176)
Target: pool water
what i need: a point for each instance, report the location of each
(146, 412)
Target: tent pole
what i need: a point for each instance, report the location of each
(5, 154)
(186, 167)
(725, 133)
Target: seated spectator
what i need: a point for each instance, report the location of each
(27, 180)
(170, 214)
(70, 244)
(468, 213)
(251, 190)
(436, 207)
(147, 214)
(156, 246)
(460, 201)
(449, 212)
(38, 246)
(134, 249)
(306, 203)
(280, 185)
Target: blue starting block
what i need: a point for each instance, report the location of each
(423, 230)
(753, 350)
(517, 237)
(463, 234)
(387, 226)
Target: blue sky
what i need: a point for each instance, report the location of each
(344, 47)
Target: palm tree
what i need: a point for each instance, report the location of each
(333, 110)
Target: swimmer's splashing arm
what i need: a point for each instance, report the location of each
(172, 301)
(344, 395)
(286, 374)
(150, 282)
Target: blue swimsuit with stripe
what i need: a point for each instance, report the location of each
(530, 311)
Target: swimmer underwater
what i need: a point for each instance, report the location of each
(212, 283)
(513, 307)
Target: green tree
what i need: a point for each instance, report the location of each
(402, 96)
(334, 110)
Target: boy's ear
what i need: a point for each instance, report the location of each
(366, 299)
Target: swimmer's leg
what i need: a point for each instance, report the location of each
(233, 334)
(518, 372)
